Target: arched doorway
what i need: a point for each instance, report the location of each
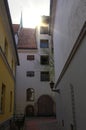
(29, 111)
(45, 106)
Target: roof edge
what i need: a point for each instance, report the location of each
(10, 24)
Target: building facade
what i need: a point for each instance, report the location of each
(33, 94)
(68, 30)
(8, 62)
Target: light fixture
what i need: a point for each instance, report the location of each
(52, 87)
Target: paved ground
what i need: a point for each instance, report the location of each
(41, 123)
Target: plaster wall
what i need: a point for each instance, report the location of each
(73, 111)
(23, 82)
(69, 19)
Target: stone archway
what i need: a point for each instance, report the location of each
(29, 111)
(45, 106)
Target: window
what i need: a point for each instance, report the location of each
(72, 127)
(2, 103)
(45, 76)
(43, 30)
(44, 60)
(30, 94)
(11, 101)
(30, 73)
(6, 48)
(63, 123)
(30, 57)
(12, 64)
(44, 44)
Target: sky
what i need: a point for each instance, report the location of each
(31, 11)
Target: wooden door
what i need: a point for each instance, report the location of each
(45, 106)
(29, 110)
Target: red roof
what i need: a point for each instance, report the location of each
(27, 39)
(15, 28)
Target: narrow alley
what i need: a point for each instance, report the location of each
(42, 65)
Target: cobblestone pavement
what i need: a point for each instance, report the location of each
(41, 123)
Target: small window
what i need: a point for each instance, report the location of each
(43, 30)
(6, 48)
(2, 103)
(30, 94)
(63, 123)
(11, 101)
(30, 73)
(12, 64)
(71, 126)
(44, 44)
(30, 57)
(45, 76)
(44, 60)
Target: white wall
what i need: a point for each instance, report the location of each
(23, 82)
(69, 19)
(75, 75)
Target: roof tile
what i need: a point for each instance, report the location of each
(27, 39)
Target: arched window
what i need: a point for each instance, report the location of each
(30, 94)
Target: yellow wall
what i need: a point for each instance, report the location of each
(6, 77)
(2, 44)
(2, 36)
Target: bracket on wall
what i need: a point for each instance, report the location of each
(52, 87)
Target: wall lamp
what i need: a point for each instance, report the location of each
(52, 87)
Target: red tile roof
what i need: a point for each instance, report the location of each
(27, 39)
(15, 27)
